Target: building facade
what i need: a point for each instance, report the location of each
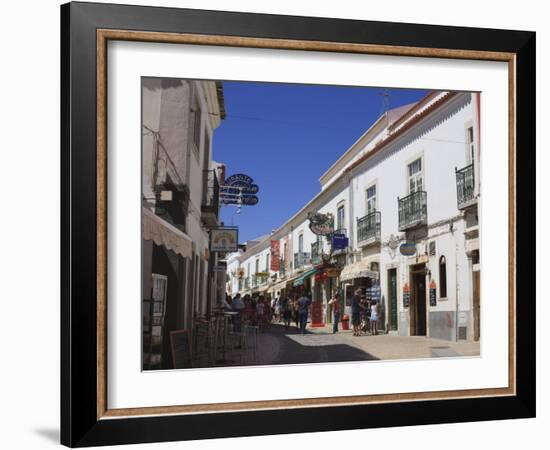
(180, 190)
(406, 196)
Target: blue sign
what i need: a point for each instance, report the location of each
(239, 189)
(407, 249)
(239, 179)
(373, 293)
(339, 241)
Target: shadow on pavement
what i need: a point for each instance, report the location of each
(313, 347)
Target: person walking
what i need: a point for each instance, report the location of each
(238, 305)
(295, 314)
(335, 311)
(303, 306)
(286, 310)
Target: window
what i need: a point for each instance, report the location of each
(415, 176)
(470, 143)
(257, 265)
(267, 262)
(442, 277)
(340, 221)
(301, 243)
(371, 199)
(285, 254)
(206, 155)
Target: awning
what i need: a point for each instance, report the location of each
(359, 269)
(278, 286)
(163, 233)
(300, 280)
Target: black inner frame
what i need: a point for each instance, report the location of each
(79, 425)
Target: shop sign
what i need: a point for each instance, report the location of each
(407, 249)
(373, 293)
(433, 294)
(275, 255)
(239, 189)
(339, 241)
(406, 296)
(224, 239)
(321, 224)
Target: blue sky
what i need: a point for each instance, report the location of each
(285, 136)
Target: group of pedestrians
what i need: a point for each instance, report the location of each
(369, 311)
(282, 308)
(295, 309)
(254, 310)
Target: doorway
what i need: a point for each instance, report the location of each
(418, 300)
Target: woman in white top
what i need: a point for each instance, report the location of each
(374, 318)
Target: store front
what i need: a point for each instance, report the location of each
(359, 275)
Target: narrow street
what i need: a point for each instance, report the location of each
(276, 345)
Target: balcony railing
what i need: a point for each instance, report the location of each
(301, 259)
(413, 210)
(465, 186)
(281, 267)
(368, 228)
(211, 198)
(316, 253)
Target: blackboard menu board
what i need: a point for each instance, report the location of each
(433, 299)
(180, 341)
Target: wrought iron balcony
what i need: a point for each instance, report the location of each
(301, 259)
(211, 198)
(368, 228)
(316, 251)
(413, 210)
(465, 186)
(281, 267)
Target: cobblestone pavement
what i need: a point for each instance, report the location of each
(279, 346)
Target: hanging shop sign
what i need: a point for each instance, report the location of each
(406, 296)
(321, 224)
(407, 249)
(433, 294)
(275, 255)
(239, 189)
(224, 239)
(339, 241)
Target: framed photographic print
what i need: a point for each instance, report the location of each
(269, 220)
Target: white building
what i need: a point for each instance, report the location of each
(412, 178)
(179, 205)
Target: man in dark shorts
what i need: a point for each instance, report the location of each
(356, 312)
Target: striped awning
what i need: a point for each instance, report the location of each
(300, 280)
(163, 233)
(360, 269)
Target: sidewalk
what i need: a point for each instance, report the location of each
(278, 346)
